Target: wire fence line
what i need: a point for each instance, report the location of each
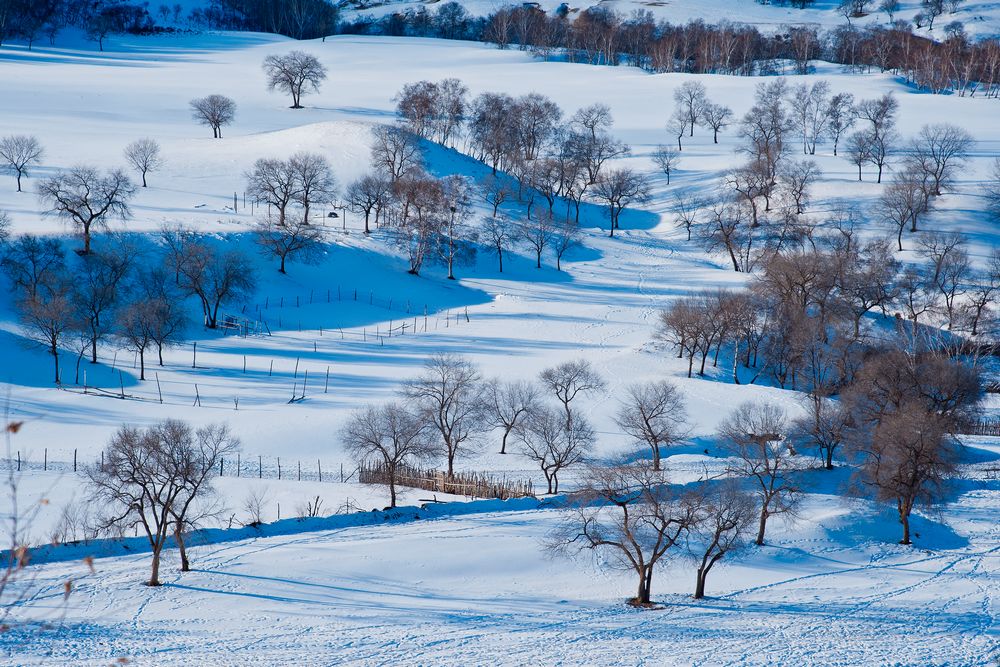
(241, 466)
(474, 484)
(301, 372)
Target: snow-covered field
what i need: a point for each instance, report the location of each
(832, 588)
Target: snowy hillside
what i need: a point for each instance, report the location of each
(467, 582)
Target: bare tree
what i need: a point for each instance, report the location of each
(620, 188)
(140, 481)
(294, 239)
(725, 515)
(198, 467)
(691, 100)
(565, 237)
(395, 152)
(369, 194)
(937, 152)
(810, 108)
(951, 268)
(630, 512)
(294, 73)
(569, 380)
(447, 397)
(86, 198)
(48, 315)
(800, 177)
(214, 111)
(33, 263)
(538, 234)
(275, 182)
(666, 158)
(315, 181)
(754, 436)
(144, 156)
(859, 150)
(554, 445)
(825, 427)
(496, 189)
(653, 415)
(717, 117)
(686, 208)
(507, 404)
(20, 152)
(841, 117)
(677, 126)
(97, 291)
(499, 236)
(212, 274)
(390, 435)
(906, 460)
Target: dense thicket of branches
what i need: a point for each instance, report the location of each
(601, 36)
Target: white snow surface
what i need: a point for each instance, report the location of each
(469, 587)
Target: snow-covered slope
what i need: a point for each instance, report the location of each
(459, 590)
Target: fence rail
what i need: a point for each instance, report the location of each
(475, 484)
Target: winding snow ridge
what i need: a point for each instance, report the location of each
(474, 589)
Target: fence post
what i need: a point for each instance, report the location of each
(279, 467)
(319, 469)
(238, 462)
(260, 467)
(74, 459)
(271, 369)
(194, 354)
(158, 390)
(19, 460)
(221, 462)
(326, 385)
(45, 461)
(300, 471)
(296, 374)
(341, 473)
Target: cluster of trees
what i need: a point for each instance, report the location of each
(159, 479)
(445, 413)
(302, 19)
(301, 181)
(32, 19)
(759, 209)
(118, 294)
(530, 149)
(799, 326)
(896, 418)
(602, 36)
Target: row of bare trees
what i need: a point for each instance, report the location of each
(600, 35)
(446, 411)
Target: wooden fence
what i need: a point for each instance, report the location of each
(476, 484)
(984, 427)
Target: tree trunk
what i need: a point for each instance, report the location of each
(699, 586)
(179, 538)
(760, 530)
(154, 575)
(143, 179)
(656, 457)
(142, 363)
(55, 357)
